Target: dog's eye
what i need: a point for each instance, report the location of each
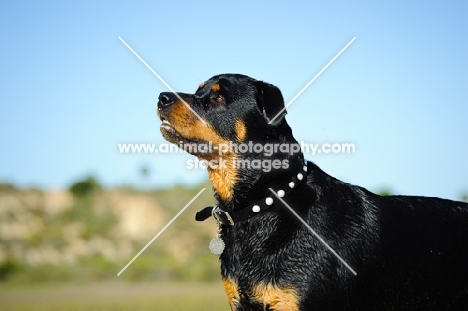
(218, 98)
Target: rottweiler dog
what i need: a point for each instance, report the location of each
(397, 252)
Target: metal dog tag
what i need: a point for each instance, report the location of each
(217, 246)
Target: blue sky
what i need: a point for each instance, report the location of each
(70, 91)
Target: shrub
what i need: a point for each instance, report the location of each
(85, 188)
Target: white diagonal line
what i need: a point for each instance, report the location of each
(314, 233)
(160, 79)
(313, 79)
(161, 231)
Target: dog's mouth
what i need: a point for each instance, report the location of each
(167, 126)
(170, 133)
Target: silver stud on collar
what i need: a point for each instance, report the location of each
(305, 168)
(255, 208)
(269, 201)
(280, 193)
(300, 176)
(291, 184)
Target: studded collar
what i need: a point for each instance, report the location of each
(263, 205)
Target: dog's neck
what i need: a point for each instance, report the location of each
(235, 188)
(240, 179)
(251, 204)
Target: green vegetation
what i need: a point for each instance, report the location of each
(7, 187)
(85, 188)
(384, 192)
(7, 268)
(464, 197)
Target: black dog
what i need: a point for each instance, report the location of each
(409, 253)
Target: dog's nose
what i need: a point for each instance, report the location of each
(166, 99)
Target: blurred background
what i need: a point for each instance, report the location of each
(74, 210)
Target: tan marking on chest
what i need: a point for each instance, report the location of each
(232, 292)
(223, 176)
(275, 297)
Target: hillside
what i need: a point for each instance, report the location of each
(56, 236)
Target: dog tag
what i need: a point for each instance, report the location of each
(217, 246)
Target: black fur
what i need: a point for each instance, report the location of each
(410, 253)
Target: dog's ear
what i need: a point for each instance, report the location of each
(271, 103)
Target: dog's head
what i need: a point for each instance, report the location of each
(221, 111)
(225, 111)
